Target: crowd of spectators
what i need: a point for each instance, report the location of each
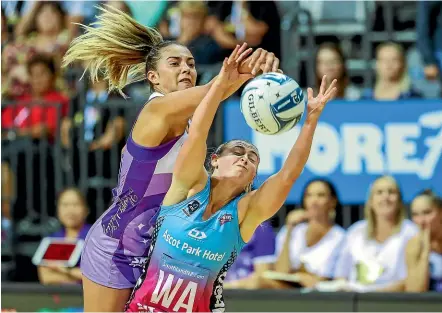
(46, 106)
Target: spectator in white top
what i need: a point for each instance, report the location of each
(424, 251)
(392, 79)
(373, 256)
(309, 243)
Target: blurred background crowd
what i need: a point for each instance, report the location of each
(62, 136)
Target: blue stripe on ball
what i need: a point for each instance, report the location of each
(282, 106)
(280, 79)
(294, 100)
(282, 123)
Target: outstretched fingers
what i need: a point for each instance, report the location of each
(241, 49)
(244, 55)
(329, 96)
(309, 93)
(261, 60)
(323, 84)
(232, 56)
(275, 65)
(331, 91)
(254, 57)
(225, 65)
(239, 54)
(332, 85)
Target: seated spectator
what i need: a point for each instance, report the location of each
(256, 258)
(192, 18)
(36, 112)
(309, 243)
(255, 22)
(392, 79)
(373, 256)
(424, 251)
(72, 212)
(46, 35)
(330, 61)
(101, 127)
(26, 127)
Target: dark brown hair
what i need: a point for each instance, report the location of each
(42, 59)
(77, 192)
(342, 81)
(434, 199)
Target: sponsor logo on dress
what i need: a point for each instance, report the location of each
(192, 206)
(225, 218)
(197, 234)
(138, 262)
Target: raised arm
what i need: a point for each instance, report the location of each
(182, 104)
(189, 167)
(267, 200)
(177, 107)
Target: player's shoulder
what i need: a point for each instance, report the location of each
(154, 102)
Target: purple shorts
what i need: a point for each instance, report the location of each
(118, 262)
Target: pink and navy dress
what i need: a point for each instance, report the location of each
(189, 258)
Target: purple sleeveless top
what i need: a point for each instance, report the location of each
(117, 245)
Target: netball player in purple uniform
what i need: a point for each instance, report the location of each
(126, 51)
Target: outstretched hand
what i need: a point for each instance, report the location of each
(261, 61)
(316, 104)
(229, 73)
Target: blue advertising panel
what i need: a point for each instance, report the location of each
(356, 142)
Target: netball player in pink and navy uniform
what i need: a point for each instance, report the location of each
(205, 220)
(126, 51)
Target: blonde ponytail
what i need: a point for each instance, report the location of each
(115, 46)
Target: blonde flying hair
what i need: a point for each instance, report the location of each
(118, 47)
(369, 215)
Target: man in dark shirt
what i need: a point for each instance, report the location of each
(255, 22)
(429, 37)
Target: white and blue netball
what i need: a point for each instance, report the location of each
(272, 103)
